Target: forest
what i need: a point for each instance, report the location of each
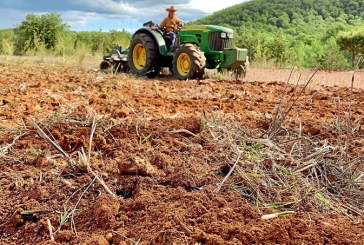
(307, 33)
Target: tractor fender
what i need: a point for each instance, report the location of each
(157, 36)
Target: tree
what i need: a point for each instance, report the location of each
(334, 57)
(248, 38)
(277, 48)
(38, 30)
(352, 41)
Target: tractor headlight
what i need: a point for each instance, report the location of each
(230, 35)
(223, 34)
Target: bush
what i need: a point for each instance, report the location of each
(38, 30)
(7, 42)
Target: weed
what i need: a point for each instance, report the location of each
(251, 154)
(37, 152)
(35, 212)
(63, 216)
(283, 169)
(143, 139)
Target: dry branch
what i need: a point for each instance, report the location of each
(46, 137)
(50, 228)
(268, 170)
(83, 159)
(229, 173)
(178, 131)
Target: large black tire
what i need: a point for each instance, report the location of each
(188, 62)
(143, 55)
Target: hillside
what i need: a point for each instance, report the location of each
(269, 15)
(301, 24)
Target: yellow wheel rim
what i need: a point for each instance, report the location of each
(139, 56)
(183, 64)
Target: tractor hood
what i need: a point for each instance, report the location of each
(207, 28)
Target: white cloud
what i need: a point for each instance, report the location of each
(109, 6)
(209, 6)
(108, 14)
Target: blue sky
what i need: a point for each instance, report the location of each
(107, 14)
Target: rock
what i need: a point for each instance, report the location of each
(64, 236)
(136, 165)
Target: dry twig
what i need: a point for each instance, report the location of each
(83, 159)
(229, 173)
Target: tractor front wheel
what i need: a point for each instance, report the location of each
(188, 62)
(143, 55)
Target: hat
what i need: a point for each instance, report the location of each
(171, 8)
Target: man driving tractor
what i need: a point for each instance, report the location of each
(171, 24)
(193, 49)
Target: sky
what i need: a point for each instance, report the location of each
(91, 15)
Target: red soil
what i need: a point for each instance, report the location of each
(164, 178)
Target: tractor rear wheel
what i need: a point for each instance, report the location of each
(188, 62)
(143, 55)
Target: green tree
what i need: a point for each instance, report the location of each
(352, 41)
(38, 30)
(248, 38)
(277, 49)
(333, 57)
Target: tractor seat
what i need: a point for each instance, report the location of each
(166, 38)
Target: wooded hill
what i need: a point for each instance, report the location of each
(301, 32)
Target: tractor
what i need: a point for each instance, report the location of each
(196, 48)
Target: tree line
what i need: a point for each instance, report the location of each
(48, 33)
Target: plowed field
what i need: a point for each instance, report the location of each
(93, 158)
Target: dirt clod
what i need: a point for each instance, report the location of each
(105, 211)
(136, 165)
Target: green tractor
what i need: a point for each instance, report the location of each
(195, 48)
